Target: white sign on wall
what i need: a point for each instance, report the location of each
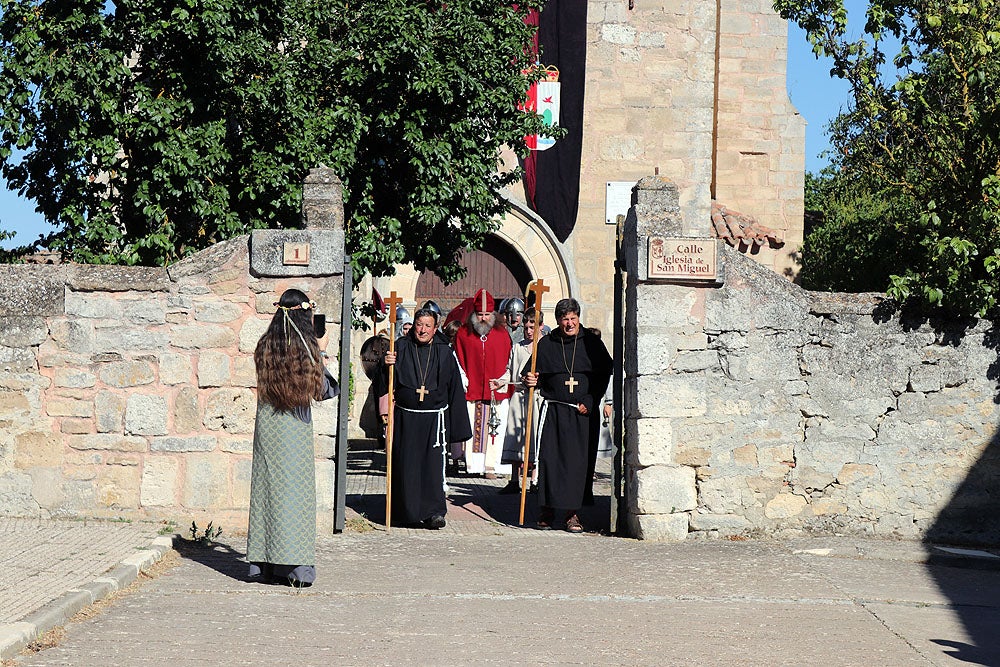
(617, 200)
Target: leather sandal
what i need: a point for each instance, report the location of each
(573, 525)
(545, 517)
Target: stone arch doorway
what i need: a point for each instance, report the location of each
(534, 247)
(498, 267)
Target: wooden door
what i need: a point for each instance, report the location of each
(498, 267)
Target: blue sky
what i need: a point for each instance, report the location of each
(815, 94)
(818, 96)
(18, 215)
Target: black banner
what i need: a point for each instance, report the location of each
(555, 173)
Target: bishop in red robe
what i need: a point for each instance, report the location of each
(483, 347)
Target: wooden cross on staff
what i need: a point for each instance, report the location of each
(538, 288)
(392, 303)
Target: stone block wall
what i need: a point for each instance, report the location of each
(650, 91)
(760, 146)
(757, 408)
(128, 392)
(649, 103)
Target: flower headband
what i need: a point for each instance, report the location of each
(305, 305)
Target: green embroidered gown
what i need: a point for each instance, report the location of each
(281, 540)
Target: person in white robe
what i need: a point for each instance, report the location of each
(513, 444)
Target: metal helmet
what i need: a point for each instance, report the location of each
(430, 305)
(513, 306)
(403, 316)
(372, 352)
(502, 306)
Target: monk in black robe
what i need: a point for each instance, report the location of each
(572, 373)
(429, 413)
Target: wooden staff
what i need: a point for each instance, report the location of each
(392, 302)
(538, 288)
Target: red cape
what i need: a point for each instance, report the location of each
(460, 312)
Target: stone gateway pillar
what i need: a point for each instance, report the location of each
(671, 263)
(317, 252)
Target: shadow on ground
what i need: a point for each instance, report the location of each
(470, 498)
(971, 519)
(214, 555)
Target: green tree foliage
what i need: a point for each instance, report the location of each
(850, 248)
(917, 153)
(152, 128)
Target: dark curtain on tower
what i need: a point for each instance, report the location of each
(552, 177)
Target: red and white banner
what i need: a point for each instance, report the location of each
(543, 99)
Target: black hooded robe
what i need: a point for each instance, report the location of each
(418, 447)
(564, 467)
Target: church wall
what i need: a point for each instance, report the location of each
(756, 408)
(649, 91)
(760, 158)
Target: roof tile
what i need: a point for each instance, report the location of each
(742, 230)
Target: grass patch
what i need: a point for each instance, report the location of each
(358, 524)
(167, 528)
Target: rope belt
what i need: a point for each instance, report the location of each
(545, 410)
(442, 434)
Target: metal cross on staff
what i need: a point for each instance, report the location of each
(392, 303)
(538, 288)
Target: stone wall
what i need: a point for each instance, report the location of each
(129, 391)
(649, 103)
(757, 408)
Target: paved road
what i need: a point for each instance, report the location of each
(529, 597)
(483, 591)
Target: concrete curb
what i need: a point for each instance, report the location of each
(14, 637)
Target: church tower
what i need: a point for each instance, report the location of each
(692, 89)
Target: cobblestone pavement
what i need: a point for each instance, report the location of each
(44, 559)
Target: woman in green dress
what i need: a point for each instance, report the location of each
(281, 539)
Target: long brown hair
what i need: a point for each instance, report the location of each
(451, 330)
(289, 366)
